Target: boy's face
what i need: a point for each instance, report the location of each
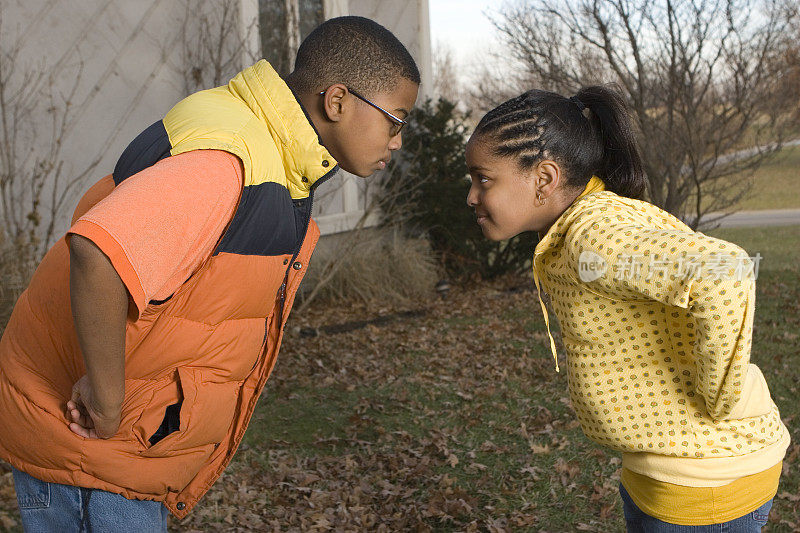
(503, 197)
(362, 138)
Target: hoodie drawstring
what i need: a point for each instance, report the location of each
(544, 312)
(595, 185)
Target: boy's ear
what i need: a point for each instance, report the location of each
(549, 176)
(333, 102)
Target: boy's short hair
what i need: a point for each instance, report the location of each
(355, 51)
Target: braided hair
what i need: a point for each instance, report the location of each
(540, 125)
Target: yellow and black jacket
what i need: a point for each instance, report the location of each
(196, 363)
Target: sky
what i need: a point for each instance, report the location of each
(463, 26)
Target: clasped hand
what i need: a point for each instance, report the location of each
(88, 419)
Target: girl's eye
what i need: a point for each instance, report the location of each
(484, 180)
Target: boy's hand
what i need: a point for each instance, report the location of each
(87, 419)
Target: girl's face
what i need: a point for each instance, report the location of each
(503, 197)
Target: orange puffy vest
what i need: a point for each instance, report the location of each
(211, 346)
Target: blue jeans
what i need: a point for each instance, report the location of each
(638, 522)
(51, 507)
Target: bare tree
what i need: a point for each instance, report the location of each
(700, 79)
(788, 67)
(445, 74)
(37, 116)
(292, 18)
(214, 43)
(283, 25)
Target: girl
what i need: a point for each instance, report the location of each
(656, 319)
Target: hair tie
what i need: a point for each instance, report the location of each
(577, 101)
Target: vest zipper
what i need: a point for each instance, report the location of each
(282, 298)
(282, 291)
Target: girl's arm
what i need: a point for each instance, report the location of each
(711, 278)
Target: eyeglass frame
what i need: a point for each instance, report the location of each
(396, 121)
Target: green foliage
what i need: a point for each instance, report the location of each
(434, 174)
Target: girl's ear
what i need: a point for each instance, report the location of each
(548, 175)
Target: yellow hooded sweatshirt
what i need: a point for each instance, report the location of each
(656, 320)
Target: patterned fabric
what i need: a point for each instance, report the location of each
(657, 322)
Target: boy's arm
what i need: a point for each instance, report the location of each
(99, 308)
(140, 242)
(710, 278)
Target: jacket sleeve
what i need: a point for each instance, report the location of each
(159, 225)
(713, 279)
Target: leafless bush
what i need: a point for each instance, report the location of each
(382, 265)
(38, 114)
(215, 43)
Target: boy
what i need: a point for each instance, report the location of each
(155, 322)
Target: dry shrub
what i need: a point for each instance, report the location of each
(16, 269)
(380, 265)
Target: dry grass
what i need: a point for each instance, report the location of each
(382, 266)
(15, 272)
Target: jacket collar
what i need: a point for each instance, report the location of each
(306, 160)
(559, 227)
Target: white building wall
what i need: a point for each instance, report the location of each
(124, 55)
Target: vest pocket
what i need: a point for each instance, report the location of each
(170, 424)
(201, 416)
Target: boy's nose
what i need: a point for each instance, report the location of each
(397, 142)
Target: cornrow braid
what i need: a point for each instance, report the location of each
(540, 125)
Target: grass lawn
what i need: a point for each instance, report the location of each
(779, 246)
(457, 421)
(776, 184)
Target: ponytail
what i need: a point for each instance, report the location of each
(541, 124)
(621, 166)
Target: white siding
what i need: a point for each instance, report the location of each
(132, 74)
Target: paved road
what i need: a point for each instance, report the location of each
(763, 218)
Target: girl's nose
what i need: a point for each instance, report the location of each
(472, 197)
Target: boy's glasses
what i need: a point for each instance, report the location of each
(397, 122)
